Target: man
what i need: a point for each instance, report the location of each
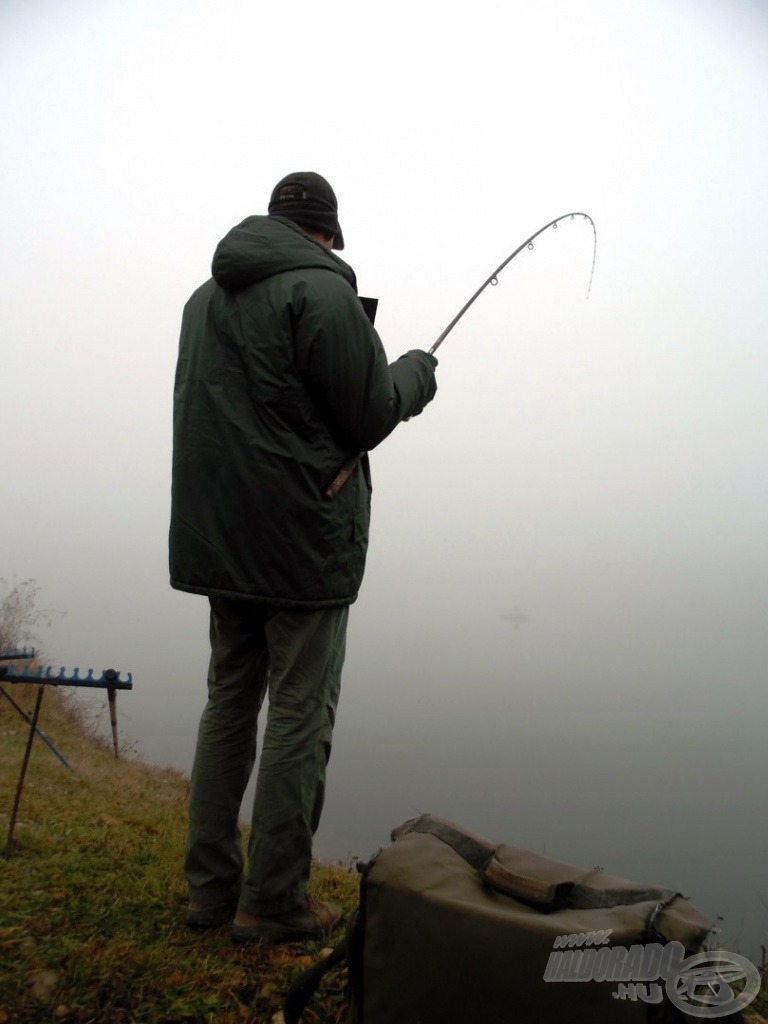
(281, 378)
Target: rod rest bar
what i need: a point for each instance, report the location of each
(109, 678)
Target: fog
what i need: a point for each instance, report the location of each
(560, 641)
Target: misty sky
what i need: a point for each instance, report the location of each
(597, 465)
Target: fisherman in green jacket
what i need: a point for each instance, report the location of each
(281, 378)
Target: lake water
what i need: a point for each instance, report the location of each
(625, 739)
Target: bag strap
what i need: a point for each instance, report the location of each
(543, 896)
(481, 856)
(304, 987)
(306, 984)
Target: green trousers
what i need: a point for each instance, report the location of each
(295, 658)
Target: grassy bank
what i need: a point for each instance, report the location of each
(92, 898)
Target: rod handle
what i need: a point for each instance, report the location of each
(341, 477)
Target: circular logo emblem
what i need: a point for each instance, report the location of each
(702, 986)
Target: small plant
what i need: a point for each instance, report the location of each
(20, 618)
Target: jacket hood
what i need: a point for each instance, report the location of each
(261, 247)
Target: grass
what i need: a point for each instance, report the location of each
(92, 898)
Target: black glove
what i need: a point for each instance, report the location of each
(425, 370)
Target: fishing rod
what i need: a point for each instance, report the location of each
(493, 279)
(348, 468)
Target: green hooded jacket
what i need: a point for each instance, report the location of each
(280, 379)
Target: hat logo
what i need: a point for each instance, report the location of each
(291, 194)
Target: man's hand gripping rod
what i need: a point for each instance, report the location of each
(348, 468)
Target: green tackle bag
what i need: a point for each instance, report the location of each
(454, 930)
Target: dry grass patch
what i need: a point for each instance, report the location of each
(92, 899)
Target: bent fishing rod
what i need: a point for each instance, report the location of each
(348, 468)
